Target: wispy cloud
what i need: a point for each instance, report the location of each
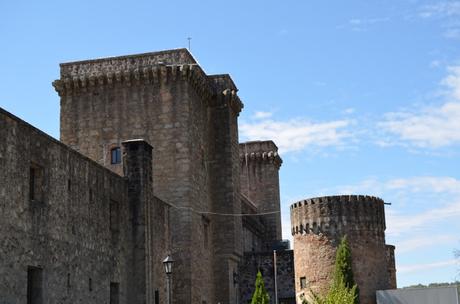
(400, 223)
(448, 12)
(363, 24)
(426, 266)
(441, 9)
(429, 127)
(408, 245)
(261, 115)
(298, 133)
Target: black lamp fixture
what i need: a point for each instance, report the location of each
(167, 263)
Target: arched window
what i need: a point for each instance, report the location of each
(115, 155)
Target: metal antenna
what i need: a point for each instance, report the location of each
(189, 39)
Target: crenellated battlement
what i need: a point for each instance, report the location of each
(339, 215)
(260, 151)
(158, 68)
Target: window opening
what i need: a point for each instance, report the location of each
(34, 285)
(115, 156)
(115, 293)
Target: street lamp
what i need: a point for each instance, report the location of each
(167, 263)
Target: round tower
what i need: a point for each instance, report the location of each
(319, 223)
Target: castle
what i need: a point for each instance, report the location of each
(148, 165)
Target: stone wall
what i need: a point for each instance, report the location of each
(191, 121)
(317, 226)
(252, 262)
(390, 255)
(64, 231)
(76, 225)
(260, 164)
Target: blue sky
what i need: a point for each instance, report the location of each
(361, 96)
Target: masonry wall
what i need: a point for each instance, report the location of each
(263, 261)
(166, 99)
(65, 229)
(317, 227)
(259, 167)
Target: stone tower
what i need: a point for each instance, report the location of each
(260, 165)
(190, 119)
(318, 225)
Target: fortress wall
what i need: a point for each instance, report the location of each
(317, 226)
(65, 228)
(171, 103)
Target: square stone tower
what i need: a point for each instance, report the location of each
(190, 119)
(260, 164)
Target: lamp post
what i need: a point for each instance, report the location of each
(167, 263)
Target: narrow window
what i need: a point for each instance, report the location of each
(35, 183)
(32, 177)
(115, 156)
(157, 297)
(115, 293)
(114, 216)
(303, 282)
(205, 222)
(206, 235)
(90, 284)
(68, 281)
(69, 185)
(34, 285)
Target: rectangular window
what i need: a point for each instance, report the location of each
(115, 293)
(35, 183)
(115, 156)
(32, 177)
(114, 216)
(34, 285)
(303, 282)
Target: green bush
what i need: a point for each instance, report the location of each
(343, 289)
(260, 295)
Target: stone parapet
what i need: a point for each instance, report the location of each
(339, 215)
(260, 151)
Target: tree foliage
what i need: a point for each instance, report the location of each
(343, 289)
(343, 272)
(260, 295)
(338, 294)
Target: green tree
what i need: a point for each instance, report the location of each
(343, 272)
(343, 289)
(260, 295)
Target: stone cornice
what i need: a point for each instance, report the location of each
(271, 157)
(156, 74)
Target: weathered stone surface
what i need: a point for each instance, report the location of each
(191, 121)
(317, 226)
(264, 261)
(77, 229)
(260, 163)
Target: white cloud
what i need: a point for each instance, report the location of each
(441, 9)
(426, 266)
(422, 183)
(412, 244)
(349, 111)
(400, 223)
(431, 127)
(452, 33)
(261, 115)
(297, 134)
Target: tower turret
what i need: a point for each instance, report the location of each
(259, 180)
